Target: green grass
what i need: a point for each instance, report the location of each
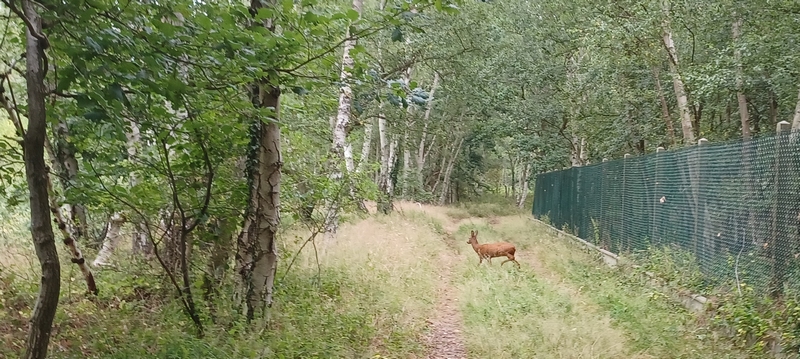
(565, 302)
(375, 290)
(372, 297)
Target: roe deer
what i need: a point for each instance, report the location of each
(491, 250)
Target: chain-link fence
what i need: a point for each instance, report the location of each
(734, 207)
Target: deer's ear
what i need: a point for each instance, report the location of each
(476, 233)
(471, 233)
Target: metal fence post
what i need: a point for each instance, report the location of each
(626, 238)
(656, 198)
(702, 210)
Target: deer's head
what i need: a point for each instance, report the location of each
(473, 237)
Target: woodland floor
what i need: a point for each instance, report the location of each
(400, 286)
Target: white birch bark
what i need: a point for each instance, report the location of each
(796, 117)
(524, 185)
(111, 240)
(449, 172)
(341, 148)
(421, 148)
(345, 96)
(744, 114)
(390, 165)
(677, 82)
(365, 148)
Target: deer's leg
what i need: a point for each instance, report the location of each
(510, 259)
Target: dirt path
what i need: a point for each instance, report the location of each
(595, 337)
(445, 340)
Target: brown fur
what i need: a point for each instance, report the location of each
(492, 250)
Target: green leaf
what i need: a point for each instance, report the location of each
(93, 45)
(265, 13)
(203, 21)
(96, 115)
(352, 14)
(118, 93)
(288, 5)
(66, 78)
(397, 34)
(359, 48)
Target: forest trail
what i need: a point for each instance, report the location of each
(585, 332)
(561, 303)
(445, 339)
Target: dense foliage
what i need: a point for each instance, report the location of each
(174, 116)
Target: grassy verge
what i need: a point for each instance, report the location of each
(370, 296)
(654, 324)
(565, 303)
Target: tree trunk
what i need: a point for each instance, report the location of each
(442, 169)
(391, 166)
(524, 184)
(384, 180)
(345, 97)
(257, 255)
(513, 170)
(744, 115)
(449, 172)
(677, 82)
(341, 148)
(36, 175)
(577, 154)
(796, 116)
(65, 155)
(69, 240)
(423, 138)
(406, 165)
(408, 125)
(664, 107)
(110, 241)
(218, 260)
(365, 148)
(140, 241)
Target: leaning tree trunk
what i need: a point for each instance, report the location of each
(36, 174)
(69, 240)
(257, 253)
(341, 148)
(677, 81)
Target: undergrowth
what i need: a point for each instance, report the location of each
(486, 207)
(654, 325)
(369, 298)
(741, 312)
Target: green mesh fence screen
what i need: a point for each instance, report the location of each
(732, 208)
